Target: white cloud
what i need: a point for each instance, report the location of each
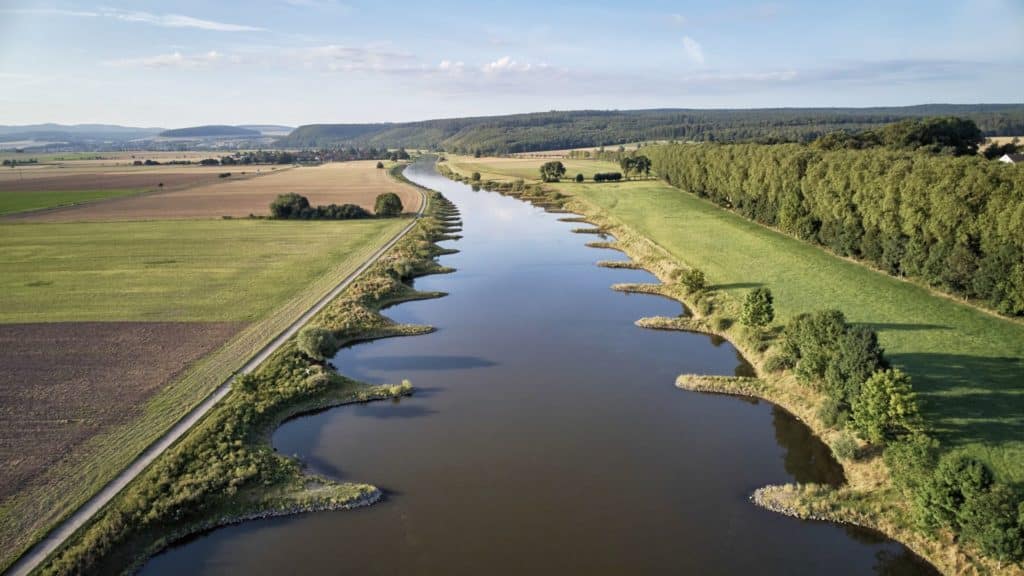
(506, 64)
(173, 60)
(694, 53)
(339, 58)
(451, 67)
(50, 12)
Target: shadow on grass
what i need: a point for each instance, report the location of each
(886, 326)
(969, 398)
(736, 285)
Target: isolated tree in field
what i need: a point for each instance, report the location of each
(642, 164)
(552, 171)
(758, 308)
(388, 205)
(290, 205)
(317, 342)
(628, 164)
(886, 407)
(380, 165)
(579, 178)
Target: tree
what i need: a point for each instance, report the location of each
(380, 165)
(317, 342)
(642, 164)
(552, 171)
(628, 164)
(388, 205)
(579, 178)
(957, 479)
(290, 205)
(758, 309)
(989, 520)
(886, 407)
(475, 177)
(911, 461)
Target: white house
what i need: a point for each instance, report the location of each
(1012, 158)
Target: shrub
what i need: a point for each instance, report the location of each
(911, 461)
(777, 363)
(693, 280)
(341, 212)
(380, 165)
(845, 447)
(475, 177)
(388, 205)
(317, 342)
(518, 185)
(607, 177)
(722, 324)
(758, 309)
(885, 407)
(831, 413)
(579, 178)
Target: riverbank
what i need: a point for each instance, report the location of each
(224, 471)
(868, 498)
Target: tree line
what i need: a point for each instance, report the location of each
(957, 223)
(293, 206)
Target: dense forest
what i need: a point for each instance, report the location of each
(557, 130)
(956, 222)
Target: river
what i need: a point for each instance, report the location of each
(545, 435)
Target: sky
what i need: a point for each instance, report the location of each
(293, 62)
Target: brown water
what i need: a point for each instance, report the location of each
(545, 436)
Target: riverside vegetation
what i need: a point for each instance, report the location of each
(224, 471)
(946, 505)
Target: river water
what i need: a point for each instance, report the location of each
(545, 435)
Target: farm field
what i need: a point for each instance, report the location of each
(14, 202)
(966, 364)
(112, 331)
(525, 168)
(333, 183)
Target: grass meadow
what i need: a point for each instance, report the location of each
(24, 201)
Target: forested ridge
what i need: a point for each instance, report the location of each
(558, 130)
(956, 223)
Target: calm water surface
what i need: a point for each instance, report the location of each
(545, 436)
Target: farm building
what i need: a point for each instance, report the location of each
(1012, 158)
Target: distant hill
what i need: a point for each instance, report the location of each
(269, 129)
(75, 133)
(211, 131)
(554, 130)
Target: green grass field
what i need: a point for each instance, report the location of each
(967, 365)
(13, 202)
(525, 168)
(234, 270)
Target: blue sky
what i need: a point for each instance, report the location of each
(171, 64)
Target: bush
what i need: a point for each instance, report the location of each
(341, 212)
(911, 461)
(693, 280)
(886, 407)
(845, 447)
(317, 342)
(722, 324)
(388, 205)
(757, 308)
(579, 178)
(832, 413)
(607, 177)
(380, 165)
(777, 363)
(475, 177)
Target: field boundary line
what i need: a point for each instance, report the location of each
(59, 534)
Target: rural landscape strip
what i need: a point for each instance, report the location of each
(870, 498)
(63, 531)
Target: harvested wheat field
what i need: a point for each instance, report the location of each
(66, 382)
(333, 183)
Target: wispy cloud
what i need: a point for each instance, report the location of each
(319, 4)
(163, 20)
(173, 60)
(693, 50)
(179, 21)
